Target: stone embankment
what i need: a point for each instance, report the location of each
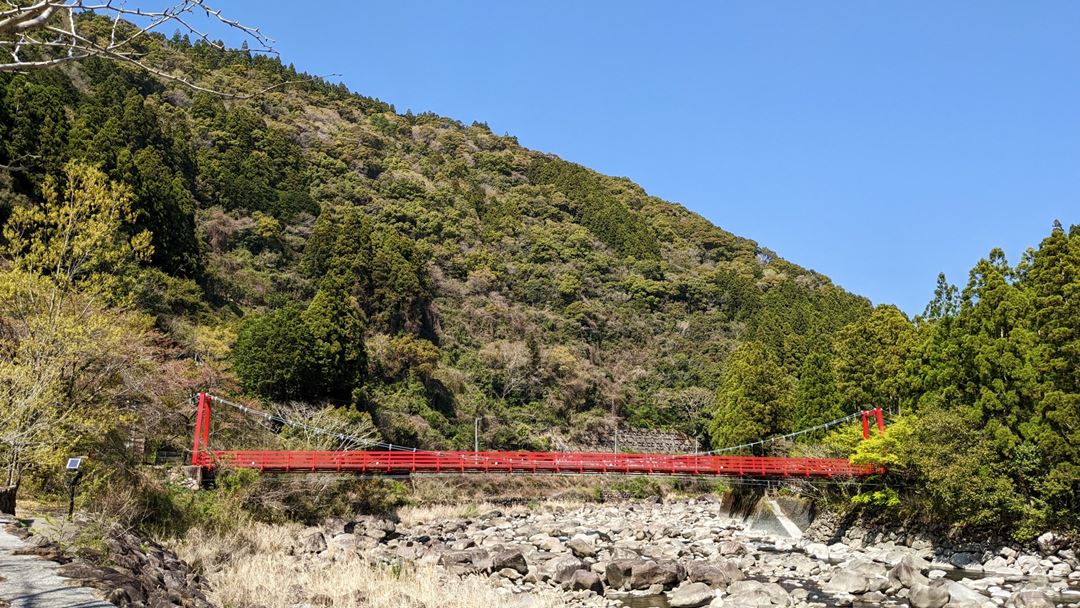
(127, 571)
(692, 553)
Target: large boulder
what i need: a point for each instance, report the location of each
(966, 561)
(561, 569)
(755, 593)
(905, 574)
(867, 569)
(1031, 598)
(469, 559)
(648, 573)
(691, 595)
(847, 581)
(933, 595)
(962, 596)
(817, 551)
(582, 580)
(1046, 542)
(581, 546)
(617, 572)
(513, 559)
(732, 547)
(715, 574)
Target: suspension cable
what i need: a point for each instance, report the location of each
(392, 447)
(276, 418)
(786, 436)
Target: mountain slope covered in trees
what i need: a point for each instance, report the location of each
(313, 244)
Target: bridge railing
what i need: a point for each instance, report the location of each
(403, 462)
(400, 462)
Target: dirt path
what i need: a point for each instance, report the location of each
(27, 581)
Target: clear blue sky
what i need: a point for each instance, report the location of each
(877, 142)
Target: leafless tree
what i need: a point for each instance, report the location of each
(46, 33)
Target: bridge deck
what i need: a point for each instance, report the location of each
(403, 462)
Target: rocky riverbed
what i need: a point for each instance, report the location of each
(679, 554)
(693, 553)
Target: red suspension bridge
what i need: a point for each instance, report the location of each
(407, 461)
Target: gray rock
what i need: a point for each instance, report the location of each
(1046, 542)
(905, 575)
(312, 543)
(818, 551)
(584, 580)
(847, 581)
(755, 593)
(648, 573)
(510, 558)
(1031, 598)
(715, 574)
(561, 569)
(868, 569)
(1060, 570)
(1028, 564)
(617, 572)
(961, 596)
(691, 595)
(470, 559)
(928, 596)
(964, 560)
(731, 547)
(551, 544)
(581, 547)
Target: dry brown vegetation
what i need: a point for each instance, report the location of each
(254, 568)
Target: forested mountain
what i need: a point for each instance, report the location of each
(312, 245)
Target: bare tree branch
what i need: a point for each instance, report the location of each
(46, 33)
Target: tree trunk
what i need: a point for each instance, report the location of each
(7, 499)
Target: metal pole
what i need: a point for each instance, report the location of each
(72, 481)
(616, 441)
(476, 434)
(198, 431)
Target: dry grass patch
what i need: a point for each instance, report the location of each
(255, 568)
